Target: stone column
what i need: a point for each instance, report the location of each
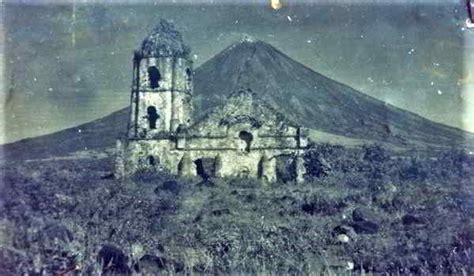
(267, 169)
(218, 166)
(186, 167)
(300, 168)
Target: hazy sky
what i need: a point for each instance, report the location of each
(72, 63)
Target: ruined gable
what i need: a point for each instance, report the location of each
(244, 108)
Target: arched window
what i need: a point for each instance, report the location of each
(246, 138)
(153, 116)
(154, 77)
(188, 74)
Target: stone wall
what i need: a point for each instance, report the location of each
(156, 154)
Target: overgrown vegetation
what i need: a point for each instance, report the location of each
(360, 210)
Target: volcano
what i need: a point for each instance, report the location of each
(312, 99)
(304, 96)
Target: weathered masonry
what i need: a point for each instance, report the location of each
(245, 137)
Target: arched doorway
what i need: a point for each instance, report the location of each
(285, 168)
(151, 160)
(205, 167)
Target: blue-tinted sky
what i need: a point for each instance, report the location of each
(72, 63)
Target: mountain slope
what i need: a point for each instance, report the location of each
(311, 99)
(95, 135)
(303, 95)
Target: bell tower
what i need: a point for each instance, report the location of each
(162, 85)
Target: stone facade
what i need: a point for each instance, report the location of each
(245, 137)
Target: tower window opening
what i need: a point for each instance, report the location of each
(153, 116)
(154, 77)
(188, 74)
(246, 138)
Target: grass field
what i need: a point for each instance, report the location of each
(360, 211)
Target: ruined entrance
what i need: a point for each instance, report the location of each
(152, 161)
(205, 167)
(285, 168)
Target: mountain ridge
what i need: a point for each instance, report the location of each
(266, 53)
(300, 93)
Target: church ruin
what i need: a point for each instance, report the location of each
(244, 137)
